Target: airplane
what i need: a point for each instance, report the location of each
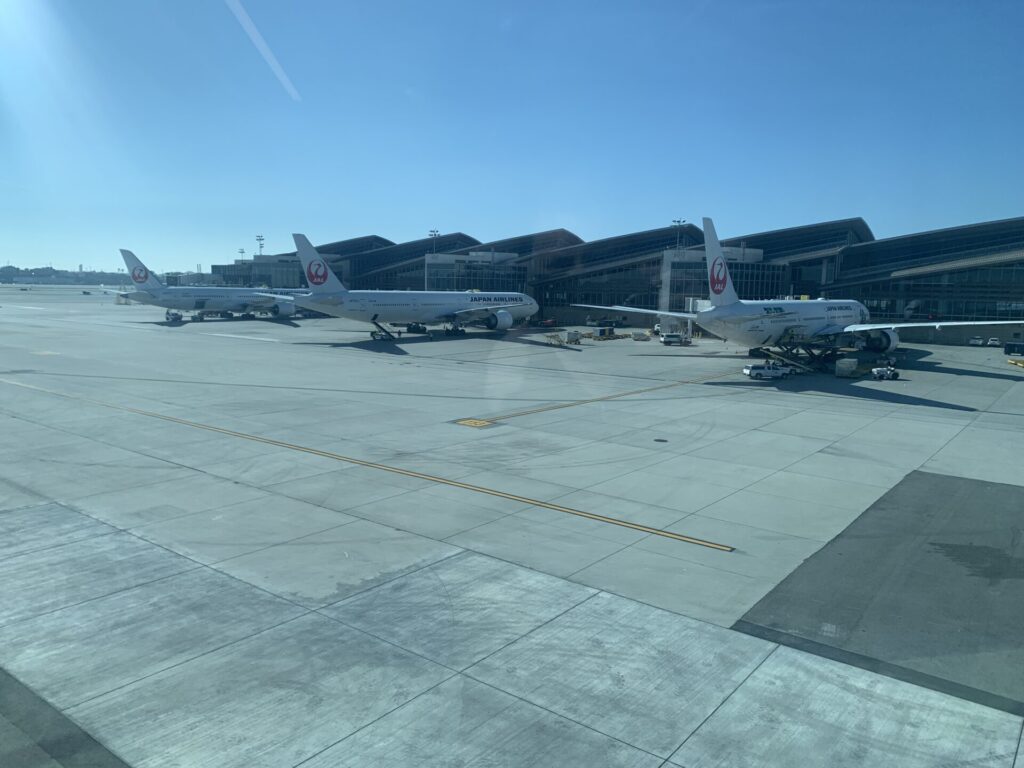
(201, 300)
(413, 309)
(820, 328)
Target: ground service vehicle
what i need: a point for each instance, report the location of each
(887, 372)
(975, 341)
(765, 371)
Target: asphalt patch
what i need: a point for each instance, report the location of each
(36, 732)
(927, 585)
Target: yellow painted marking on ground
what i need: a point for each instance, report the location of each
(474, 422)
(1016, 362)
(616, 396)
(385, 468)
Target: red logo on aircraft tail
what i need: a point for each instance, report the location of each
(718, 276)
(140, 274)
(316, 272)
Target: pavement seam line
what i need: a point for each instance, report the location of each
(594, 593)
(562, 716)
(363, 727)
(248, 385)
(5, 624)
(603, 398)
(386, 468)
(723, 701)
(396, 577)
(623, 548)
(189, 660)
(207, 566)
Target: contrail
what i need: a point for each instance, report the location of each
(261, 45)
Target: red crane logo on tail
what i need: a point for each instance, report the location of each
(316, 272)
(140, 274)
(718, 276)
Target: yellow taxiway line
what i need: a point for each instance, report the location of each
(388, 468)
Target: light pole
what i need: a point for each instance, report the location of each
(434, 234)
(678, 224)
(241, 253)
(259, 239)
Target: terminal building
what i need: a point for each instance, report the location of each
(975, 272)
(971, 272)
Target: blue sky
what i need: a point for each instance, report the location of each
(159, 126)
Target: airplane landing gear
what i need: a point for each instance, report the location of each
(455, 331)
(415, 328)
(198, 317)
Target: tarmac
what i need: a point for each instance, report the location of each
(254, 543)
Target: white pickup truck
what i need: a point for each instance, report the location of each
(767, 371)
(675, 338)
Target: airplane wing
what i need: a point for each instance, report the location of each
(832, 330)
(275, 296)
(662, 312)
(937, 324)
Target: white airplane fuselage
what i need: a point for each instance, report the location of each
(766, 323)
(405, 307)
(828, 324)
(202, 299)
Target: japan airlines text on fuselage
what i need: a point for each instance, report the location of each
(400, 307)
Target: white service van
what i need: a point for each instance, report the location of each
(766, 371)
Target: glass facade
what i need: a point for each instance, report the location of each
(638, 284)
(986, 293)
(635, 284)
(462, 275)
(974, 272)
(455, 275)
(753, 280)
(237, 275)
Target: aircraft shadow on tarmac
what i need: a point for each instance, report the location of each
(369, 345)
(712, 355)
(396, 346)
(825, 384)
(916, 360)
(182, 323)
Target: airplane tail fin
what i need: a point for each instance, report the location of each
(720, 284)
(139, 273)
(318, 274)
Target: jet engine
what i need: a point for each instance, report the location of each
(499, 321)
(882, 341)
(284, 309)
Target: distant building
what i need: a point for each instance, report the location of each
(971, 272)
(974, 272)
